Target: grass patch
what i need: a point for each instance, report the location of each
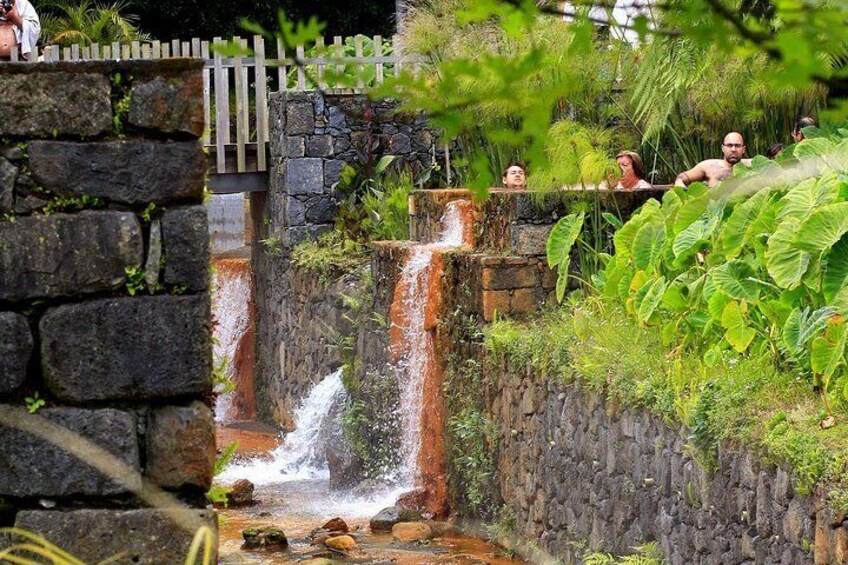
(745, 401)
(331, 255)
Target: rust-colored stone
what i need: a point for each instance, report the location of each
(495, 301)
(335, 525)
(526, 300)
(181, 446)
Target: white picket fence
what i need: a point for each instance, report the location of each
(239, 85)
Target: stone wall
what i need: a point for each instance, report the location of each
(576, 471)
(313, 136)
(105, 354)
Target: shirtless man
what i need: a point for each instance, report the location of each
(19, 27)
(713, 171)
(514, 176)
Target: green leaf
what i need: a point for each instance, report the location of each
(648, 298)
(824, 227)
(562, 282)
(562, 238)
(786, 263)
(828, 351)
(745, 222)
(734, 278)
(738, 334)
(716, 304)
(802, 325)
(713, 356)
(698, 232)
(613, 220)
(383, 163)
(647, 245)
(674, 299)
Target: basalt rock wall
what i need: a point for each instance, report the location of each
(299, 313)
(105, 352)
(576, 471)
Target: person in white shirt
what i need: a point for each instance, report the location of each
(19, 27)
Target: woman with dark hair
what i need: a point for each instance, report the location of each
(632, 171)
(774, 150)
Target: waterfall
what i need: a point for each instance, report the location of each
(412, 353)
(302, 454)
(231, 308)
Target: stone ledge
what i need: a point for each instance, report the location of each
(128, 348)
(148, 537)
(67, 254)
(129, 172)
(33, 467)
(54, 104)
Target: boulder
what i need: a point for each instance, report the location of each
(412, 500)
(341, 543)
(412, 531)
(335, 525)
(241, 494)
(264, 539)
(385, 520)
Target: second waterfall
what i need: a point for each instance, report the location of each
(413, 316)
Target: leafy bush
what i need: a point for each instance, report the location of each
(759, 265)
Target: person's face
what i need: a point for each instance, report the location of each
(625, 164)
(733, 148)
(514, 178)
(797, 136)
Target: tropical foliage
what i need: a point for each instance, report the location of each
(748, 268)
(84, 22)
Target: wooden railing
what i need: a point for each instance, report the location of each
(237, 87)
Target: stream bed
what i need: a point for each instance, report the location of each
(298, 507)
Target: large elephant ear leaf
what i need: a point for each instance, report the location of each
(648, 244)
(559, 245)
(744, 222)
(562, 238)
(648, 298)
(738, 333)
(786, 263)
(824, 227)
(802, 325)
(828, 351)
(735, 279)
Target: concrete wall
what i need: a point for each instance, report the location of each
(104, 305)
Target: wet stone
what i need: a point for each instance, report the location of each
(15, 350)
(129, 172)
(128, 348)
(265, 539)
(33, 467)
(385, 520)
(241, 494)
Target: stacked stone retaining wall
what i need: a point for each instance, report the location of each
(577, 472)
(104, 308)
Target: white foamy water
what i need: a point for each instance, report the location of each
(417, 341)
(302, 455)
(232, 318)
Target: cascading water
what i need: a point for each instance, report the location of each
(302, 455)
(412, 353)
(231, 309)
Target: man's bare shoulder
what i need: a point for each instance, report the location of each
(709, 163)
